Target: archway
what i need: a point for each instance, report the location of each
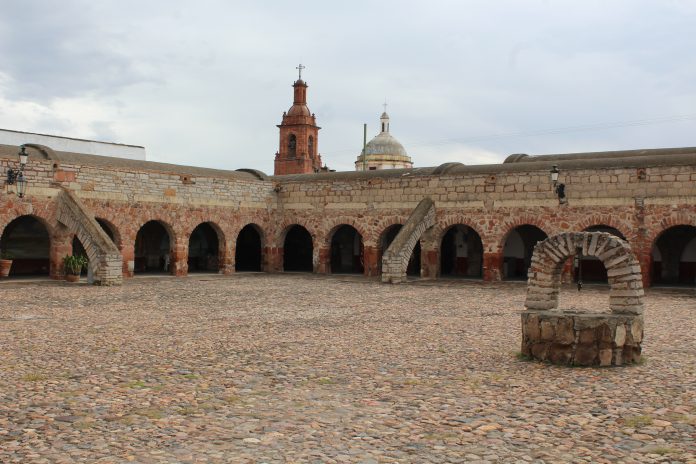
(110, 231)
(593, 269)
(248, 250)
(298, 250)
(414, 262)
(674, 257)
(153, 249)
(347, 251)
(204, 249)
(518, 249)
(26, 241)
(461, 252)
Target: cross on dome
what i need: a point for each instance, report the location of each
(300, 68)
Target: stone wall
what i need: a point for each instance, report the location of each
(640, 197)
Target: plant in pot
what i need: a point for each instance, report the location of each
(73, 266)
(5, 263)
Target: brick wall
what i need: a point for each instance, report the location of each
(640, 201)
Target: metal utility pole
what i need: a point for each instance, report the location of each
(364, 147)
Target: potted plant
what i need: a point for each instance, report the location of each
(73, 267)
(5, 263)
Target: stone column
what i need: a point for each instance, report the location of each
(493, 266)
(179, 260)
(61, 246)
(128, 254)
(324, 263)
(226, 260)
(371, 266)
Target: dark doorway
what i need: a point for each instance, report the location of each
(674, 257)
(204, 249)
(297, 250)
(593, 270)
(461, 253)
(26, 241)
(247, 256)
(152, 249)
(347, 251)
(414, 262)
(518, 249)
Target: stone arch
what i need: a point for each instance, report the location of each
(672, 262)
(207, 248)
(298, 249)
(154, 247)
(517, 255)
(105, 261)
(510, 226)
(346, 221)
(463, 259)
(248, 250)
(346, 250)
(593, 269)
(385, 240)
(396, 258)
(32, 256)
(623, 269)
(111, 230)
(605, 220)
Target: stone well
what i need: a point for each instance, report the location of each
(583, 339)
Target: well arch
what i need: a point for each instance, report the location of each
(623, 270)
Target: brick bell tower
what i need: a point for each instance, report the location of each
(299, 136)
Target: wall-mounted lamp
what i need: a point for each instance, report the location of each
(559, 189)
(16, 176)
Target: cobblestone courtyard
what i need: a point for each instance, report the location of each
(292, 368)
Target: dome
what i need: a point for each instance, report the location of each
(299, 110)
(385, 144)
(383, 151)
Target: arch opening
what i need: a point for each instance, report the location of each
(674, 257)
(248, 250)
(110, 231)
(298, 250)
(461, 253)
(26, 241)
(347, 251)
(204, 249)
(593, 270)
(414, 263)
(518, 249)
(153, 252)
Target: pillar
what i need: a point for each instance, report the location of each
(371, 267)
(493, 266)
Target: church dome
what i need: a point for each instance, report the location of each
(383, 151)
(385, 144)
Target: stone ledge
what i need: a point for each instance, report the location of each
(582, 339)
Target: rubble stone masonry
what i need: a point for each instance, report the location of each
(640, 194)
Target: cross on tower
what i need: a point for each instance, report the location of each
(300, 68)
(385, 105)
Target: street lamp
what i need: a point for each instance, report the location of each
(16, 176)
(559, 189)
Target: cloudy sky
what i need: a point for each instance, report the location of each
(205, 82)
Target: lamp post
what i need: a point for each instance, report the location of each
(559, 189)
(16, 176)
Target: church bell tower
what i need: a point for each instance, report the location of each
(298, 152)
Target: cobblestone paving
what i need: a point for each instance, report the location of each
(292, 368)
